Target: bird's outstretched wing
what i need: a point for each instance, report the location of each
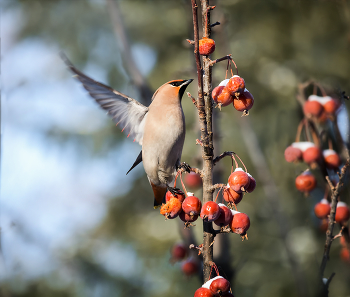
(125, 111)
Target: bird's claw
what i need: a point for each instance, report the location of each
(184, 167)
(175, 191)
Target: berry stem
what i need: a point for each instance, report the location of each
(300, 128)
(242, 163)
(182, 183)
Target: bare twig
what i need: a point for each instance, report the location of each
(334, 200)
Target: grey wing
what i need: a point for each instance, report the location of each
(125, 111)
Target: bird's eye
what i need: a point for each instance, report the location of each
(176, 83)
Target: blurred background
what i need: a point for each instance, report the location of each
(72, 222)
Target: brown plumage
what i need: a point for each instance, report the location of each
(159, 128)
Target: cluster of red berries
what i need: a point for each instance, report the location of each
(323, 208)
(320, 108)
(233, 90)
(189, 208)
(309, 153)
(217, 286)
(189, 265)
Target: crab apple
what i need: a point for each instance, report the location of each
(216, 92)
(238, 180)
(171, 209)
(293, 154)
(187, 218)
(240, 222)
(312, 108)
(331, 106)
(331, 159)
(305, 182)
(189, 267)
(244, 102)
(322, 209)
(236, 85)
(191, 205)
(193, 180)
(225, 216)
(203, 292)
(252, 184)
(224, 98)
(342, 213)
(210, 211)
(169, 195)
(206, 46)
(232, 196)
(219, 285)
(312, 154)
(178, 252)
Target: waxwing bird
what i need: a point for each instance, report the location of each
(158, 128)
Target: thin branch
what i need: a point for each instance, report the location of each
(334, 200)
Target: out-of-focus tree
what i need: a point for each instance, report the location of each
(275, 44)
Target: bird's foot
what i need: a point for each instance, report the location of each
(175, 191)
(184, 167)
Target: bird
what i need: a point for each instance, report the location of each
(159, 128)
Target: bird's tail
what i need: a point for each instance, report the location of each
(159, 194)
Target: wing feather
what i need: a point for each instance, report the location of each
(127, 112)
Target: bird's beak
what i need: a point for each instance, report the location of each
(186, 82)
(183, 87)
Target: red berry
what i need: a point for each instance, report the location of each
(252, 184)
(231, 196)
(189, 267)
(312, 154)
(219, 285)
(216, 92)
(236, 85)
(169, 195)
(322, 209)
(224, 98)
(244, 102)
(203, 292)
(191, 205)
(193, 180)
(332, 159)
(342, 213)
(292, 154)
(312, 108)
(225, 216)
(240, 222)
(305, 182)
(206, 46)
(238, 180)
(210, 211)
(171, 209)
(331, 106)
(187, 218)
(178, 252)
